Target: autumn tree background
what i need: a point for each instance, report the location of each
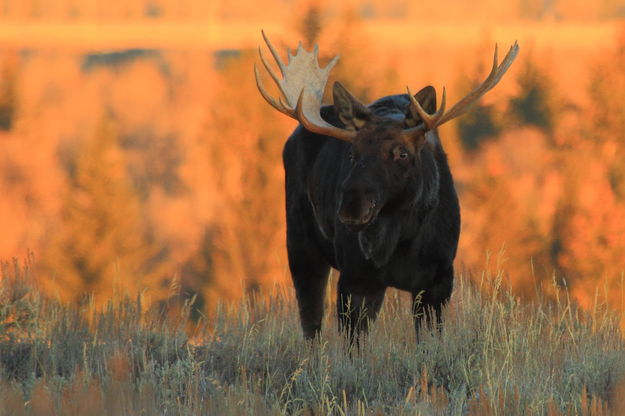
(137, 156)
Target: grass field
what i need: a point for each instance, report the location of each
(494, 356)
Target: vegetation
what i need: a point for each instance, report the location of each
(166, 164)
(494, 355)
(370, 9)
(102, 236)
(147, 180)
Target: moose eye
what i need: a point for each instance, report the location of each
(399, 153)
(351, 156)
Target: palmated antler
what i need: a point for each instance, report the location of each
(302, 86)
(431, 121)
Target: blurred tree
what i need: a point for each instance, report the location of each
(310, 25)
(156, 161)
(534, 105)
(481, 123)
(508, 201)
(8, 94)
(352, 45)
(592, 224)
(197, 273)
(605, 123)
(245, 137)
(594, 168)
(534, 9)
(606, 91)
(103, 243)
(477, 126)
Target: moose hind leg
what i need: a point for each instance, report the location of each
(356, 311)
(427, 305)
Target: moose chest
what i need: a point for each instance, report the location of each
(411, 265)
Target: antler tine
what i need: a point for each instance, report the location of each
(268, 67)
(489, 83)
(301, 87)
(274, 53)
(278, 105)
(430, 120)
(507, 61)
(273, 74)
(331, 64)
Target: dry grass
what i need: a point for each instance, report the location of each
(494, 356)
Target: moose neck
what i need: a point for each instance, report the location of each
(427, 184)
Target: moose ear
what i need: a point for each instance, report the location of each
(350, 111)
(427, 98)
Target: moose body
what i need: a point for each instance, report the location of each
(410, 245)
(368, 192)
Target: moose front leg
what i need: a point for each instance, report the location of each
(309, 271)
(310, 277)
(427, 305)
(356, 310)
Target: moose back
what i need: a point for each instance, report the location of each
(368, 192)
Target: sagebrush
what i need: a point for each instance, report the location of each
(495, 355)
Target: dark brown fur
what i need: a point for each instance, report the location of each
(382, 210)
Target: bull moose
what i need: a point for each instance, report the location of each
(368, 192)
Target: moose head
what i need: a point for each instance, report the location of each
(385, 152)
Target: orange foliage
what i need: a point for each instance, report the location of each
(186, 186)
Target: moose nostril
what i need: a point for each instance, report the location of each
(370, 194)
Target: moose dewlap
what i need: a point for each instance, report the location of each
(368, 192)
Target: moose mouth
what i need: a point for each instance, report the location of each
(358, 224)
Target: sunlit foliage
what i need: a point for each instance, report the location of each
(158, 169)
